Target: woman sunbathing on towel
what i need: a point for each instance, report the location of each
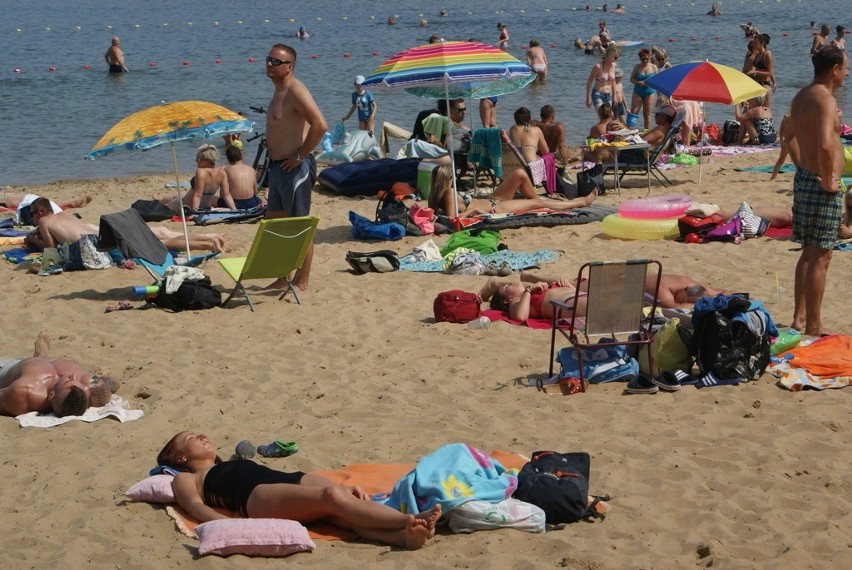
(502, 200)
(256, 491)
(530, 297)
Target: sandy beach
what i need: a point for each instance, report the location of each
(752, 476)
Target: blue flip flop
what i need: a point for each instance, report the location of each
(278, 449)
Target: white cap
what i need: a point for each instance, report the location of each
(359, 79)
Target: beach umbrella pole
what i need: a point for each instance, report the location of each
(180, 202)
(452, 152)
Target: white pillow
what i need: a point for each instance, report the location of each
(253, 537)
(154, 489)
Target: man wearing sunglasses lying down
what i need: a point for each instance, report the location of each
(44, 384)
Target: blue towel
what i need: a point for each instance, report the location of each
(451, 475)
(486, 150)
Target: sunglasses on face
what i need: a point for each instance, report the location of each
(275, 62)
(460, 109)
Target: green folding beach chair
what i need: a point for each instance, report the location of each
(278, 249)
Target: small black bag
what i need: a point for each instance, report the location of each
(382, 261)
(730, 130)
(190, 296)
(392, 209)
(558, 483)
(590, 180)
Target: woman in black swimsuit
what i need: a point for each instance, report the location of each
(256, 491)
(762, 67)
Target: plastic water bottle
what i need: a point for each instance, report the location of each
(786, 340)
(480, 323)
(146, 289)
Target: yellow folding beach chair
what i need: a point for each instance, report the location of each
(279, 248)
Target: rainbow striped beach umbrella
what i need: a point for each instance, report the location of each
(706, 81)
(451, 70)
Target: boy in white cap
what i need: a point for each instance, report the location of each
(366, 104)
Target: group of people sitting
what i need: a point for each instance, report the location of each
(232, 187)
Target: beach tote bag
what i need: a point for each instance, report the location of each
(558, 483)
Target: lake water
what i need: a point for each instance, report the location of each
(52, 118)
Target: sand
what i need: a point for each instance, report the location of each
(751, 476)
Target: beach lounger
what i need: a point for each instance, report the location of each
(614, 308)
(279, 248)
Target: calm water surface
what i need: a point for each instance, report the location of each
(52, 118)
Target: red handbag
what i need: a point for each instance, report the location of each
(700, 226)
(457, 306)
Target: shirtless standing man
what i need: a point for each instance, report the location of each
(294, 126)
(811, 138)
(820, 40)
(43, 384)
(115, 57)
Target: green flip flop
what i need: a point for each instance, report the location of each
(278, 449)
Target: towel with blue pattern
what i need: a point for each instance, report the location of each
(517, 260)
(451, 475)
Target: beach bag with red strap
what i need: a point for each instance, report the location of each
(694, 225)
(457, 306)
(558, 483)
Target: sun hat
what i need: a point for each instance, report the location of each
(359, 79)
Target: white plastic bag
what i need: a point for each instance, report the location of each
(509, 513)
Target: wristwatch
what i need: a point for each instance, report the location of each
(299, 156)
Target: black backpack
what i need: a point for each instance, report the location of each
(558, 483)
(190, 296)
(727, 347)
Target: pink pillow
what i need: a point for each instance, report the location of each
(253, 537)
(154, 489)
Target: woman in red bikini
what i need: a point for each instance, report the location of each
(530, 297)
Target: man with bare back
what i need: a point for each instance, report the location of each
(43, 384)
(294, 126)
(811, 137)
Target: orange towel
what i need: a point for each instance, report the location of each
(829, 356)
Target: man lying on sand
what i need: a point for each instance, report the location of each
(680, 291)
(54, 229)
(42, 384)
(15, 201)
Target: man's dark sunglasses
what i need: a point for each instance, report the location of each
(276, 62)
